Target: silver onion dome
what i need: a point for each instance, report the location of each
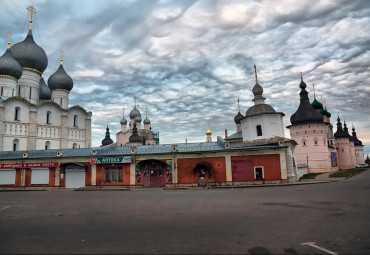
(134, 113)
(29, 54)
(123, 121)
(60, 80)
(9, 66)
(45, 92)
(146, 121)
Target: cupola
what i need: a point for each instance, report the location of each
(9, 67)
(60, 80)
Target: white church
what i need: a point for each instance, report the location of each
(35, 115)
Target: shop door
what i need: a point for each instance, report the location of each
(154, 176)
(75, 176)
(39, 175)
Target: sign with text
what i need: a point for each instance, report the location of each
(29, 165)
(111, 160)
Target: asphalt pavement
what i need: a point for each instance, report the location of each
(326, 218)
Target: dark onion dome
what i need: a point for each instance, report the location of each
(107, 140)
(135, 138)
(238, 118)
(138, 119)
(29, 54)
(9, 66)
(123, 121)
(305, 112)
(134, 113)
(146, 121)
(340, 132)
(45, 92)
(317, 105)
(355, 139)
(60, 80)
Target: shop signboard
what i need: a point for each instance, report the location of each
(29, 165)
(110, 160)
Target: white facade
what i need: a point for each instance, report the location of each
(271, 124)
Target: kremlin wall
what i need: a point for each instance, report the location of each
(44, 142)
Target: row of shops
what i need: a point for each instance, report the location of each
(210, 165)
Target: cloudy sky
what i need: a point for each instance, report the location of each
(189, 61)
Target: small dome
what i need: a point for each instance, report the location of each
(29, 54)
(259, 109)
(146, 121)
(9, 66)
(134, 113)
(107, 140)
(238, 118)
(45, 92)
(135, 138)
(123, 121)
(208, 132)
(324, 112)
(317, 105)
(60, 80)
(257, 90)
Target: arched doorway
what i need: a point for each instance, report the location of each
(154, 172)
(203, 171)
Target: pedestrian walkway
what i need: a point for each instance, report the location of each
(325, 177)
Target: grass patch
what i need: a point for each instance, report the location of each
(347, 173)
(309, 176)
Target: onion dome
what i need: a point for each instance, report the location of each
(9, 67)
(355, 139)
(257, 90)
(208, 132)
(107, 140)
(60, 79)
(305, 112)
(134, 113)
(317, 105)
(324, 112)
(29, 54)
(138, 119)
(134, 138)
(45, 92)
(340, 132)
(123, 121)
(146, 121)
(238, 118)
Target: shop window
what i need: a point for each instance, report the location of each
(48, 117)
(15, 144)
(113, 174)
(259, 130)
(258, 173)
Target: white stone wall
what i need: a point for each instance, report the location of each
(344, 152)
(29, 79)
(9, 140)
(9, 86)
(60, 97)
(271, 124)
(55, 114)
(54, 143)
(81, 116)
(10, 110)
(360, 156)
(317, 152)
(123, 137)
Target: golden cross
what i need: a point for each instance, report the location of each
(9, 34)
(32, 11)
(255, 73)
(61, 56)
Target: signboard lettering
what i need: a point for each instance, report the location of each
(29, 165)
(110, 160)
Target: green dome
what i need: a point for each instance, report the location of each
(324, 112)
(316, 105)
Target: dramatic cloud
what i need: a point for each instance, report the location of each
(189, 61)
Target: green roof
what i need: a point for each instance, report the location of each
(316, 105)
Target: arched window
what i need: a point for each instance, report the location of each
(48, 117)
(12, 92)
(19, 90)
(315, 140)
(304, 142)
(259, 130)
(2, 91)
(47, 145)
(30, 92)
(15, 144)
(75, 121)
(61, 101)
(74, 146)
(17, 113)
